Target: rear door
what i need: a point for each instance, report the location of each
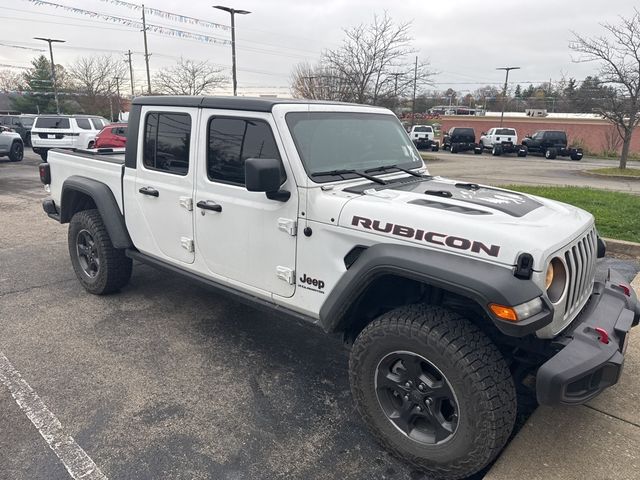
(160, 219)
(248, 239)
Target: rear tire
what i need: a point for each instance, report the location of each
(16, 154)
(100, 267)
(451, 370)
(522, 152)
(576, 156)
(550, 153)
(496, 150)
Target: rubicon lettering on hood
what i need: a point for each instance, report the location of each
(432, 237)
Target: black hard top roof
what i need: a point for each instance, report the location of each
(254, 104)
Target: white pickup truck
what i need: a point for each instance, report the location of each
(449, 293)
(502, 140)
(423, 137)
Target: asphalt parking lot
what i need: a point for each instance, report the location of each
(166, 379)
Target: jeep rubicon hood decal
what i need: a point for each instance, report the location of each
(511, 203)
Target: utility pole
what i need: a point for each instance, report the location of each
(53, 68)
(146, 51)
(128, 54)
(117, 79)
(504, 91)
(233, 12)
(415, 84)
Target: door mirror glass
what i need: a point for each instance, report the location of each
(262, 174)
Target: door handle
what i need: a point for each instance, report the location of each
(152, 192)
(209, 205)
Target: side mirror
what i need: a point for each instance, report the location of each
(263, 175)
(483, 133)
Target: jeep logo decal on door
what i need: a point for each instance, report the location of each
(311, 283)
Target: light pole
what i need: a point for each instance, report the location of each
(504, 92)
(233, 12)
(53, 68)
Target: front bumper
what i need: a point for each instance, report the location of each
(586, 365)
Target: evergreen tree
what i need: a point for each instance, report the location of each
(518, 92)
(38, 94)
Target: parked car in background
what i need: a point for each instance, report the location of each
(11, 144)
(112, 136)
(502, 140)
(21, 124)
(65, 131)
(423, 137)
(551, 143)
(461, 139)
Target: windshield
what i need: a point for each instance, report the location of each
(345, 140)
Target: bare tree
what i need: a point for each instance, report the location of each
(619, 56)
(10, 81)
(95, 76)
(373, 64)
(188, 77)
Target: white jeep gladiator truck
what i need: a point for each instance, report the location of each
(449, 293)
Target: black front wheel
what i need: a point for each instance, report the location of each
(433, 389)
(16, 154)
(100, 267)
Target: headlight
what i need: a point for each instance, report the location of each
(555, 280)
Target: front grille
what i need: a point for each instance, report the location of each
(580, 258)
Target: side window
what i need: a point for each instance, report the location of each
(167, 137)
(233, 140)
(83, 123)
(97, 123)
(16, 121)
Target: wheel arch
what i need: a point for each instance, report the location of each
(386, 276)
(82, 193)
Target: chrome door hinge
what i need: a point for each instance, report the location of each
(187, 244)
(287, 225)
(286, 274)
(186, 202)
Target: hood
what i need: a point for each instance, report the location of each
(464, 218)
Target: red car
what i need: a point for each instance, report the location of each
(113, 135)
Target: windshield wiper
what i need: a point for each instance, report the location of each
(389, 167)
(346, 171)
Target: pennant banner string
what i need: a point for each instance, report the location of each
(137, 24)
(169, 15)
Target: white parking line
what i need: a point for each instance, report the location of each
(73, 457)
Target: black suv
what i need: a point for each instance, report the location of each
(461, 139)
(21, 124)
(551, 143)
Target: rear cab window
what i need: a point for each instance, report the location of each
(505, 131)
(167, 140)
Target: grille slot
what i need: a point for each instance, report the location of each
(580, 258)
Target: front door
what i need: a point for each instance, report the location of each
(243, 236)
(163, 223)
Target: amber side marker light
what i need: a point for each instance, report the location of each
(506, 313)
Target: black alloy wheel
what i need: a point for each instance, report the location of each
(88, 256)
(416, 397)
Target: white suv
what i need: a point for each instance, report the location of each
(65, 131)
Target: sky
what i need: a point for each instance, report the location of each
(464, 40)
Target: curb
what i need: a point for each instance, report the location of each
(612, 177)
(622, 247)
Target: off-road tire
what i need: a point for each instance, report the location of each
(471, 363)
(550, 153)
(454, 148)
(115, 267)
(16, 154)
(576, 157)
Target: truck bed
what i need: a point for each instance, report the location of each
(105, 166)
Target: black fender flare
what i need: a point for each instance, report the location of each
(477, 280)
(105, 202)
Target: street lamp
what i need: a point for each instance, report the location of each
(504, 92)
(233, 12)
(53, 67)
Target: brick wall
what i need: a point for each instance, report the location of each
(595, 136)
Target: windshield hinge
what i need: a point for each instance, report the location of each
(287, 225)
(187, 244)
(186, 202)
